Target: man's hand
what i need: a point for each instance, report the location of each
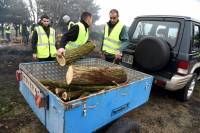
(118, 55)
(60, 52)
(34, 56)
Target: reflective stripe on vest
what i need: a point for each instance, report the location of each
(45, 45)
(70, 25)
(111, 42)
(81, 39)
(8, 29)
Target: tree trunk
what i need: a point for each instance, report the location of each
(83, 75)
(66, 96)
(59, 91)
(76, 53)
(56, 85)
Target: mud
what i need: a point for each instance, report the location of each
(163, 113)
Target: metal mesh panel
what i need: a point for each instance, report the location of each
(51, 70)
(45, 70)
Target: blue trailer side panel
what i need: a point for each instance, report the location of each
(40, 112)
(106, 107)
(55, 115)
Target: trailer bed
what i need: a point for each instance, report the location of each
(83, 115)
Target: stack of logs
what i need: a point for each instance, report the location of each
(82, 81)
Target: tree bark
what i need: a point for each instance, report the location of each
(54, 84)
(50, 84)
(83, 75)
(76, 53)
(66, 96)
(59, 91)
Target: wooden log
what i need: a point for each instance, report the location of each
(50, 88)
(54, 84)
(59, 91)
(91, 88)
(76, 53)
(63, 85)
(91, 75)
(66, 96)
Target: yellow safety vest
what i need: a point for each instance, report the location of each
(20, 29)
(8, 31)
(111, 43)
(45, 45)
(70, 24)
(81, 39)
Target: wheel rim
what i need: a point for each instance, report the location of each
(191, 88)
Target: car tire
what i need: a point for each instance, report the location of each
(152, 53)
(186, 93)
(124, 125)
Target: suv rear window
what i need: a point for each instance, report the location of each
(163, 29)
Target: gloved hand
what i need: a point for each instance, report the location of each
(60, 52)
(34, 56)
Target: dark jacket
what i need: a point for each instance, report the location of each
(25, 30)
(72, 35)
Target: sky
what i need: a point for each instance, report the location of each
(129, 9)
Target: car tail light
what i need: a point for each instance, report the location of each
(183, 67)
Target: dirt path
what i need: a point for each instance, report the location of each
(162, 114)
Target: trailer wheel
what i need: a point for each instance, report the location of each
(124, 125)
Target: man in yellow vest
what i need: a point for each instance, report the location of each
(77, 35)
(43, 41)
(8, 32)
(115, 38)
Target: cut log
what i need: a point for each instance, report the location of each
(66, 96)
(63, 85)
(91, 88)
(54, 84)
(59, 91)
(47, 87)
(91, 75)
(50, 88)
(76, 53)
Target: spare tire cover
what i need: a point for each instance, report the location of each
(152, 53)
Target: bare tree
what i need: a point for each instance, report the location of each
(73, 8)
(33, 10)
